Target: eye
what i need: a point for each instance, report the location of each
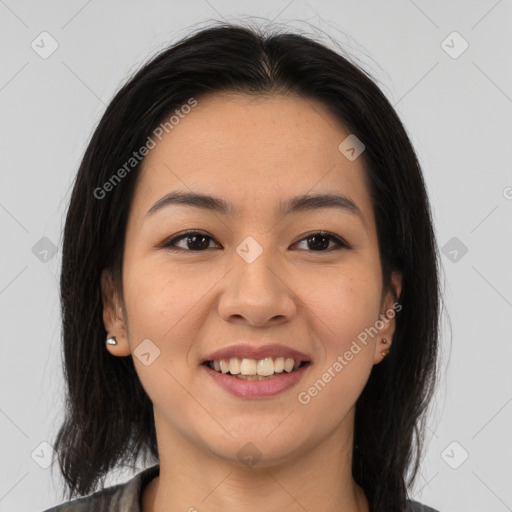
(196, 241)
(320, 241)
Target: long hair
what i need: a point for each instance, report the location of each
(109, 417)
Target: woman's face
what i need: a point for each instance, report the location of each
(254, 279)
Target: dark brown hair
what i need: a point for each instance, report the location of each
(109, 416)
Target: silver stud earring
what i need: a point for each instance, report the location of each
(112, 340)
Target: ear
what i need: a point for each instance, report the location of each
(113, 318)
(387, 318)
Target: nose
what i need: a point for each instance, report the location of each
(257, 293)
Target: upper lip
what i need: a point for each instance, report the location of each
(261, 352)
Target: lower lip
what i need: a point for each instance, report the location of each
(257, 388)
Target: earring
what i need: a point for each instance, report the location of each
(385, 352)
(112, 340)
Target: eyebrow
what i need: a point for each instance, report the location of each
(298, 204)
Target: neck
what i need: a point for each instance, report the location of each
(192, 479)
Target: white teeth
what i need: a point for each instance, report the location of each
(288, 364)
(255, 377)
(251, 368)
(234, 366)
(279, 365)
(248, 367)
(265, 367)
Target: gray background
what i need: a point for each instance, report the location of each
(456, 110)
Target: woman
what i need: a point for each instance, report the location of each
(249, 287)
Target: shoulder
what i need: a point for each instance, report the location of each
(102, 501)
(125, 497)
(415, 506)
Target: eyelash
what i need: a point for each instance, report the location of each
(341, 244)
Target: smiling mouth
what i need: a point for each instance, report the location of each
(251, 369)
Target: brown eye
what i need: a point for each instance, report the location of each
(319, 242)
(194, 241)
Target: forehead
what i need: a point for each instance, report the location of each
(252, 151)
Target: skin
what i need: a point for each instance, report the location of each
(252, 152)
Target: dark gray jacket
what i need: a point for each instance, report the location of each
(127, 497)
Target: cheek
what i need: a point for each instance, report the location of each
(158, 301)
(168, 307)
(343, 306)
(162, 308)
(346, 302)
